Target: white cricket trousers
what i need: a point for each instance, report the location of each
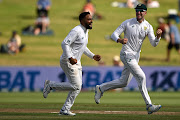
(74, 75)
(131, 68)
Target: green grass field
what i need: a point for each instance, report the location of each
(32, 106)
(45, 51)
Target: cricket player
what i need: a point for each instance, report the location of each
(74, 45)
(135, 30)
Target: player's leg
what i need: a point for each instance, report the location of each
(121, 82)
(69, 103)
(46, 89)
(71, 72)
(131, 62)
(134, 68)
(177, 47)
(49, 85)
(75, 78)
(169, 47)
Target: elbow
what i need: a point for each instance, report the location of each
(154, 44)
(63, 43)
(112, 36)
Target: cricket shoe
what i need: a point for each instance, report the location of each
(66, 112)
(46, 89)
(98, 94)
(152, 108)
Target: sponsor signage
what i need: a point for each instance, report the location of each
(32, 78)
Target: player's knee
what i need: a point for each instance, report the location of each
(142, 77)
(78, 86)
(141, 81)
(124, 84)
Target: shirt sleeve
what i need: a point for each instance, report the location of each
(70, 38)
(115, 35)
(153, 40)
(88, 53)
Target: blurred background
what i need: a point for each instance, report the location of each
(37, 53)
(45, 49)
(31, 32)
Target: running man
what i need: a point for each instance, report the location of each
(74, 45)
(135, 30)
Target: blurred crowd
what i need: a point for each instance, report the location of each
(133, 3)
(89, 6)
(14, 44)
(170, 32)
(42, 23)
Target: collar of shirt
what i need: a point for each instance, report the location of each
(139, 22)
(85, 30)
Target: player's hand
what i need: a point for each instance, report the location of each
(72, 61)
(123, 41)
(159, 32)
(97, 57)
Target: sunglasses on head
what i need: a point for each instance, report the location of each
(139, 10)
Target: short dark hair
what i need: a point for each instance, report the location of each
(82, 15)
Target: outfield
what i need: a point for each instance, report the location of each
(113, 106)
(45, 51)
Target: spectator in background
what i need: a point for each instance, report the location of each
(117, 62)
(101, 63)
(43, 6)
(14, 43)
(151, 4)
(165, 29)
(174, 39)
(132, 3)
(90, 7)
(128, 4)
(41, 24)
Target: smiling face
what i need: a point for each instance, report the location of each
(87, 21)
(140, 15)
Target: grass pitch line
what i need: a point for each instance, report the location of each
(54, 112)
(122, 112)
(13, 110)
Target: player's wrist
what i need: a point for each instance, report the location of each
(119, 40)
(70, 58)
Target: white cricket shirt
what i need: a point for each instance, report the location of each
(75, 44)
(135, 32)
